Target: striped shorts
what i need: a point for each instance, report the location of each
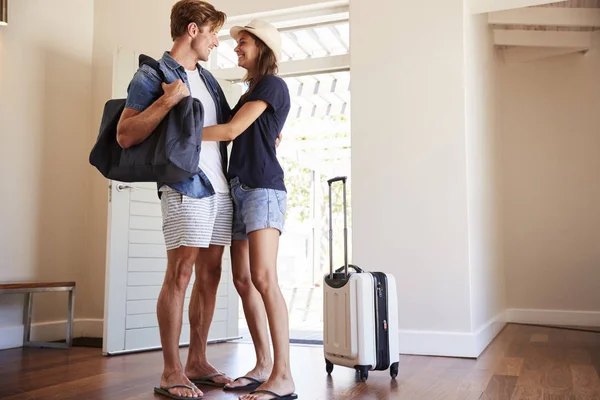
(196, 222)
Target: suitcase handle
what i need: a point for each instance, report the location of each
(350, 266)
(330, 181)
(337, 179)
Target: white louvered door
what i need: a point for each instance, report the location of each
(136, 259)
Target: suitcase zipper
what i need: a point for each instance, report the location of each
(381, 315)
(377, 335)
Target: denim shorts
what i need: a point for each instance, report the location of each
(255, 209)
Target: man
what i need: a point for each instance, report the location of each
(197, 213)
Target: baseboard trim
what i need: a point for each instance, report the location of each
(89, 328)
(586, 319)
(430, 343)
(12, 336)
(488, 332)
(451, 344)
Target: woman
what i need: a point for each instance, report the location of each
(259, 197)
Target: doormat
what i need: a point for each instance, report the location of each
(87, 342)
(306, 341)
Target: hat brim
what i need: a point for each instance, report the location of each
(234, 32)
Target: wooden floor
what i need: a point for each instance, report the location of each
(524, 362)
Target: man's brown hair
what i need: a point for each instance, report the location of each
(200, 12)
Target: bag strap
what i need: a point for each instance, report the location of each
(151, 62)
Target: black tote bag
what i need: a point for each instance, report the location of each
(170, 154)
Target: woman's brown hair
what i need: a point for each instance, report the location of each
(266, 64)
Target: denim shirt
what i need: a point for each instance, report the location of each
(145, 88)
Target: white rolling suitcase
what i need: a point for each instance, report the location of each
(360, 313)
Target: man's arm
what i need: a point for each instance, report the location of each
(239, 123)
(135, 126)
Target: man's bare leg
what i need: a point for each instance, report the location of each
(169, 312)
(201, 311)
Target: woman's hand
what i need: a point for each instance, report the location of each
(240, 122)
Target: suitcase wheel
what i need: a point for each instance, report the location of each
(363, 373)
(328, 366)
(394, 370)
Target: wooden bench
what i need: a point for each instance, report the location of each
(29, 288)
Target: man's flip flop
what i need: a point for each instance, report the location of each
(251, 386)
(292, 396)
(208, 380)
(164, 391)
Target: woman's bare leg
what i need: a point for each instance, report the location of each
(264, 245)
(255, 313)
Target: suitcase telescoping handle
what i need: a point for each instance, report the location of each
(330, 182)
(350, 266)
(337, 179)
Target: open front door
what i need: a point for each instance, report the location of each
(137, 259)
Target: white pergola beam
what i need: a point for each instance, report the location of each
(328, 12)
(554, 39)
(295, 26)
(550, 16)
(292, 36)
(486, 6)
(294, 68)
(317, 39)
(338, 36)
(516, 55)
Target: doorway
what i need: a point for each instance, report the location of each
(316, 146)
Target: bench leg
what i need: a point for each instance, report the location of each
(71, 312)
(27, 326)
(27, 330)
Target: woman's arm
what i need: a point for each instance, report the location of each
(234, 128)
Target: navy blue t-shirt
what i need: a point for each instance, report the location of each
(253, 156)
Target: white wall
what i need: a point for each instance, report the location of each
(487, 271)
(550, 130)
(409, 161)
(45, 82)
(424, 166)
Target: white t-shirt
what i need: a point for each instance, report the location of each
(210, 153)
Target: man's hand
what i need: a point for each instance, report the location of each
(135, 126)
(278, 140)
(175, 92)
